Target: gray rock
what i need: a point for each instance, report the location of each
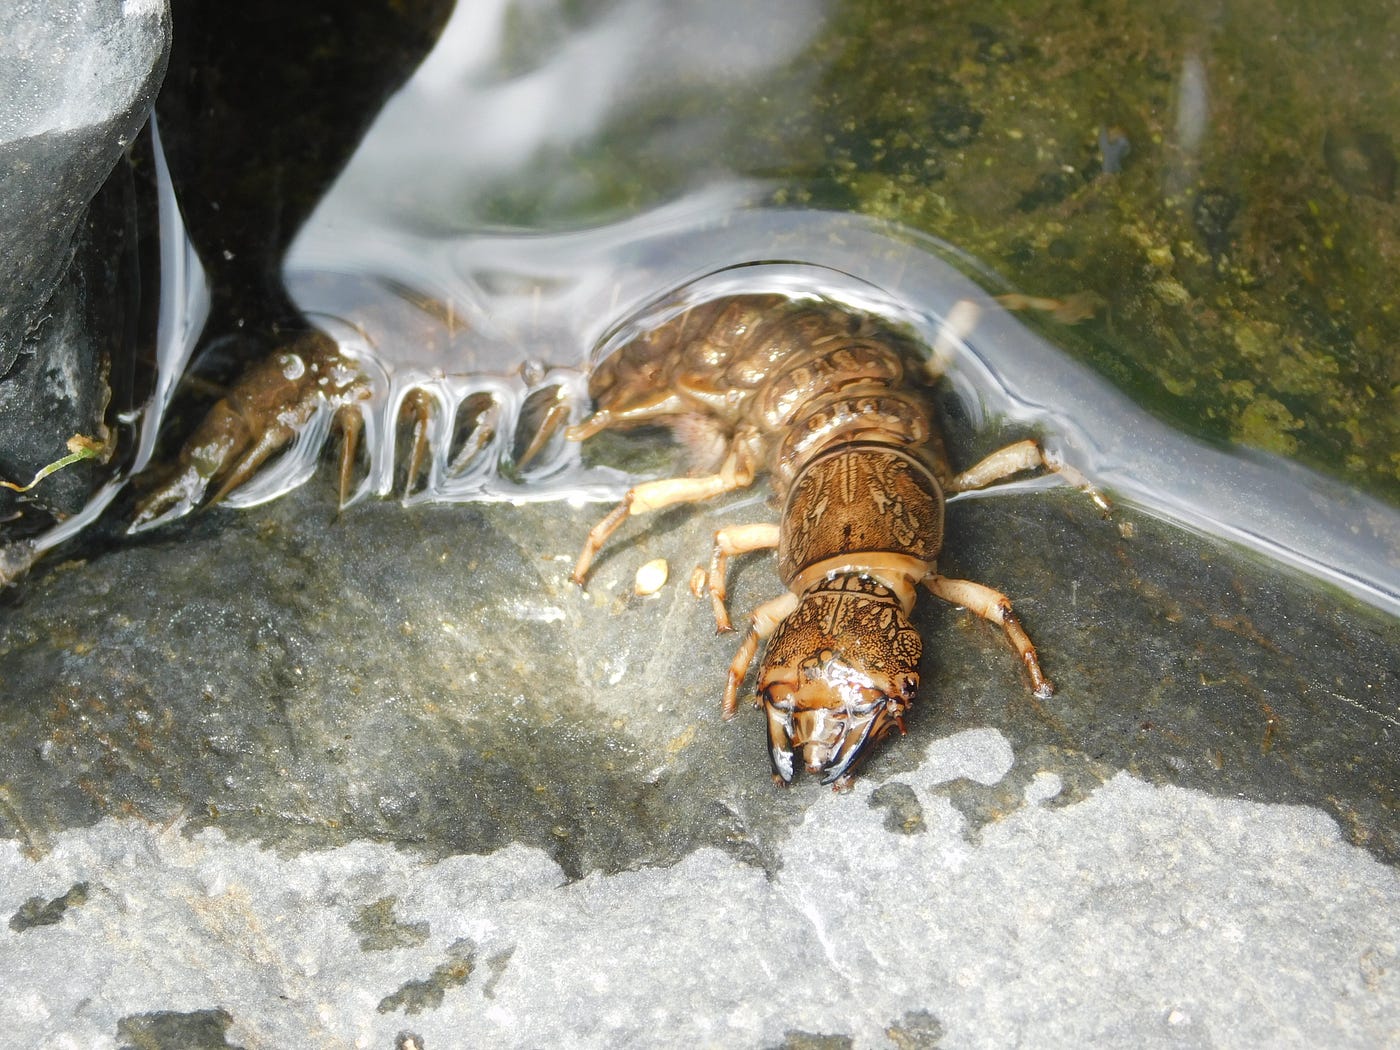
(77, 80)
(336, 778)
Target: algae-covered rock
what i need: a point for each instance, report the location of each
(1243, 249)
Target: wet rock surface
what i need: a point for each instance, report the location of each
(443, 687)
(76, 83)
(403, 729)
(78, 80)
(429, 677)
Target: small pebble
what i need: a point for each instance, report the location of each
(651, 577)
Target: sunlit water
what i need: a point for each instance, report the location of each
(522, 312)
(397, 268)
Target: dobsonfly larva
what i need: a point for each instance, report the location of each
(836, 406)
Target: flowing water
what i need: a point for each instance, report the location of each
(553, 175)
(401, 265)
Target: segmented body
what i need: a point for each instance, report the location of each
(837, 408)
(834, 404)
(801, 376)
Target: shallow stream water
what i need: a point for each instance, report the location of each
(553, 176)
(399, 265)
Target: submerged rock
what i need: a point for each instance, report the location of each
(77, 80)
(1361, 160)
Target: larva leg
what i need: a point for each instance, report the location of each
(996, 607)
(352, 425)
(734, 539)
(263, 412)
(736, 472)
(418, 407)
(555, 417)
(1023, 455)
(762, 622)
(659, 408)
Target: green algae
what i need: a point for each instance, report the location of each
(1245, 279)
(1241, 248)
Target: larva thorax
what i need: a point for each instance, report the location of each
(837, 407)
(862, 525)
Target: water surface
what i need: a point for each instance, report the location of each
(408, 263)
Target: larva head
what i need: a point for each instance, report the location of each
(838, 675)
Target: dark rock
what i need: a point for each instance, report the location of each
(173, 1030)
(78, 80)
(1050, 188)
(37, 912)
(62, 382)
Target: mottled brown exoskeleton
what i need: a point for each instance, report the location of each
(837, 407)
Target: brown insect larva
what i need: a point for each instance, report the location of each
(837, 408)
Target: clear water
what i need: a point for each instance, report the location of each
(402, 265)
